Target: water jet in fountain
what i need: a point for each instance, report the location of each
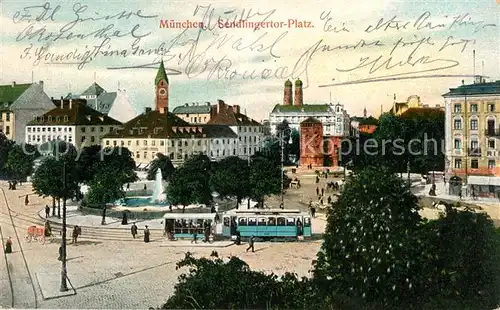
(158, 195)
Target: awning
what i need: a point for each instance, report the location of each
(483, 180)
(141, 166)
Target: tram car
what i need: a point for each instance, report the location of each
(266, 224)
(185, 225)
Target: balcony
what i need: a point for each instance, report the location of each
(492, 132)
(475, 152)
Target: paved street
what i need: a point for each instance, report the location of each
(115, 273)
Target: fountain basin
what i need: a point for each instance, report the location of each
(141, 201)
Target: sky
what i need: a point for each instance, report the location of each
(370, 51)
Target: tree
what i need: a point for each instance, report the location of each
(284, 133)
(20, 160)
(295, 146)
(230, 177)
(88, 162)
(119, 160)
(370, 247)
(6, 146)
(216, 284)
(105, 187)
(190, 183)
(264, 178)
(164, 163)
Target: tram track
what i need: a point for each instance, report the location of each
(22, 285)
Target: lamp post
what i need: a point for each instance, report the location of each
(408, 171)
(64, 272)
(282, 142)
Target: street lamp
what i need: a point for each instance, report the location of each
(214, 196)
(64, 272)
(408, 171)
(282, 142)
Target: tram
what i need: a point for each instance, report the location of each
(185, 225)
(266, 224)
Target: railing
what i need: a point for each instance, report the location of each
(492, 132)
(475, 151)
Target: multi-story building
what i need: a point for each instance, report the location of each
(195, 113)
(366, 124)
(412, 102)
(19, 103)
(73, 122)
(228, 133)
(472, 132)
(334, 118)
(114, 104)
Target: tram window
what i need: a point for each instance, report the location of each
(281, 221)
(271, 221)
(307, 222)
(262, 221)
(290, 221)
(252, 221)
(199, 223)
(242, 221)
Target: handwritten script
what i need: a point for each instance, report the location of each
(386, 48)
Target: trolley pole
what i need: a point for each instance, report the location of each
(64, 272)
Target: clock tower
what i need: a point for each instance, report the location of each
(161, 87)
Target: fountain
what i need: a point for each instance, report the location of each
(158, 195)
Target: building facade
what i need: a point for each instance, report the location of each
(73, 122)
(472, 131)
(195, 113)
(311, 143)
(334, 118)
(412, 102)
(19, 103)
(226, 133)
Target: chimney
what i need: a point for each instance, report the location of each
(236, 109)
(52, 98)
(41, 84)
(220, 104)
(70, 103)
(287, 95)
(62, 102)
(164, 110)
(13, 83)
(298, 93)
(478, 79)
(148, 110)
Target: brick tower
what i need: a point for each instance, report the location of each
(288, 96)
(299, 99)
(161, 84)
(311, 142)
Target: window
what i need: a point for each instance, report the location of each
(474, 164)
(458, 144)
(92, 129)
(162, 143)
(92, 139)
(473, 108)
(307, 222)
(271, 221)
(491, 107)
(290, 221)
(457, 108)
(7, 116)
(261, 221)
(185, 143)
(83, 139)
(153, 143)
(114, 143)
(82, 129)
(179, 143)
(107, 142)
(129, 142)
(491, 144)
(7, 130)
(29, 129)
(473, 124)
(491, 164)
(137, 142)
(101, 129)
(137, 155)
(457, 124)
(226, 221)
(242, 221)
(281, 221)
(122, 143)
(474, 144)
(458, 163)
(145, 154)
(145, 142)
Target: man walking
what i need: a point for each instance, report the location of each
(146, 234)
(133, 230)
(47, 211)
(251, 244)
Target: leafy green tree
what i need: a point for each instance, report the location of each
(230, 178)
(295, 145)
(190, 182)
(264, 177)
(105, 187)
(164, 163)
(6, 146)
(370, 247)
(88, 162)
(215, 284)
(120, 160)
(20, 160)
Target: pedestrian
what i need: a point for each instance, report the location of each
(322, 191)
(47, 211)
(195, 238)
(460, 195)
(48, 229)
(128, 186)
(317, 179)
(26, 200)
(251, 243)
(313, 211)
(60, 253)
(133, 230)
(145, 187)
(8, 246)
(146, 234)
(317, 191)
(76, 233)
(238, 238)
(103, 222)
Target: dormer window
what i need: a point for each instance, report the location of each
(41, 119)
(65, 118)
(58, 118)
(50, 118)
